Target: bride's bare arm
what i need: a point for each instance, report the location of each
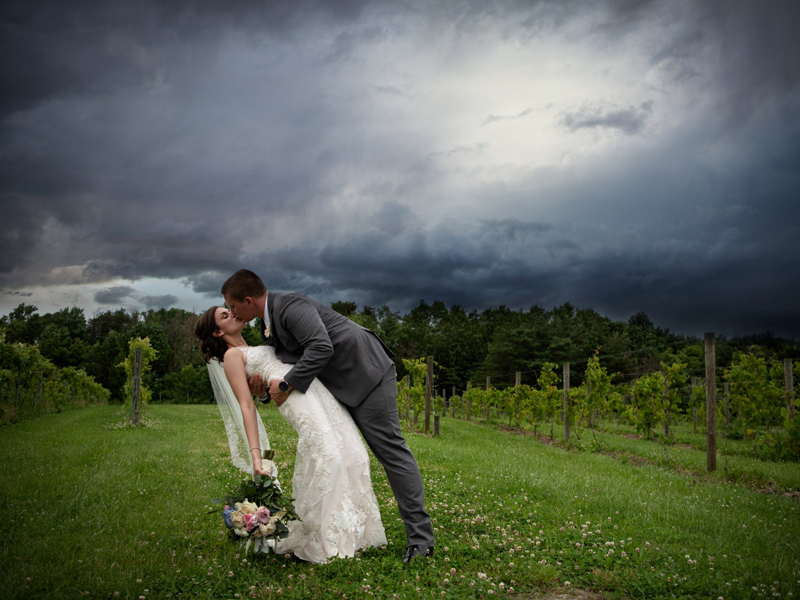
(234, 365)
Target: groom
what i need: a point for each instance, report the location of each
(355, 365)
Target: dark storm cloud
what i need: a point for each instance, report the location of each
(52, 49)
(162, 301)
(114, 295)
(134, 144)
(629, 120)
(698, 279)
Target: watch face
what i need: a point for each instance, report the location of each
(283, 386)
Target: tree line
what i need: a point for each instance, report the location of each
(468, 345)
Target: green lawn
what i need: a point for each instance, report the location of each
(97, 511)
(735, 461)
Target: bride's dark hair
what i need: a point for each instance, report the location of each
(210, 345)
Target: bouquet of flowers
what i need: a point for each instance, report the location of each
(258, 512)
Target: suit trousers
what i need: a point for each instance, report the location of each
(379, 421)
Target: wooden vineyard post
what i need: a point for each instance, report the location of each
(711, 403)
(726, 390)
(666, 410)
(444, 402)
(137, 365)
(428, 384)
(518, 407)
(566, 401)
(694, 408)
(469, 387)
(788, 386)
(435, 425)
(452, 401)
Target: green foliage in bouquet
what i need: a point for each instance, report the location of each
(261, 491)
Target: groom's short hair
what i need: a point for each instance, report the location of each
(242, 284)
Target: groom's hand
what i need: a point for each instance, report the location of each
(257, 385)
(261, 471)
(278, 397)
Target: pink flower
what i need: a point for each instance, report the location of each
(250, 522)
(262, 514)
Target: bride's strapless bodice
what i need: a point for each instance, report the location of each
(264, 361)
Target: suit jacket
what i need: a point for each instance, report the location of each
(348, 358)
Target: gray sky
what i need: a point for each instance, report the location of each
(620, 155)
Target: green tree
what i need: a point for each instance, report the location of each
(190, 385)
(63, 339)
(99, 327)
(345, 308)
(23, 325)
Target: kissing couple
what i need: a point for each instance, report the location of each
(330, 379)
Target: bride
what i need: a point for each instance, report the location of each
(331, 486)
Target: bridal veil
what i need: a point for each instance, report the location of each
(232, 418)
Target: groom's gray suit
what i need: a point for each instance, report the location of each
(356, 366)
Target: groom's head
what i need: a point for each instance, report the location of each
(244, 294)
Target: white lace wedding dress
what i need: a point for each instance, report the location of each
(331, 485)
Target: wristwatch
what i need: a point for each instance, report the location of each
(283, 386)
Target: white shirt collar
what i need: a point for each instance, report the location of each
(266, 314)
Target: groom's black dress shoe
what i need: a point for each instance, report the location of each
(414, 552)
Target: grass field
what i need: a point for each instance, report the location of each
(97, 511)
(735, 460)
